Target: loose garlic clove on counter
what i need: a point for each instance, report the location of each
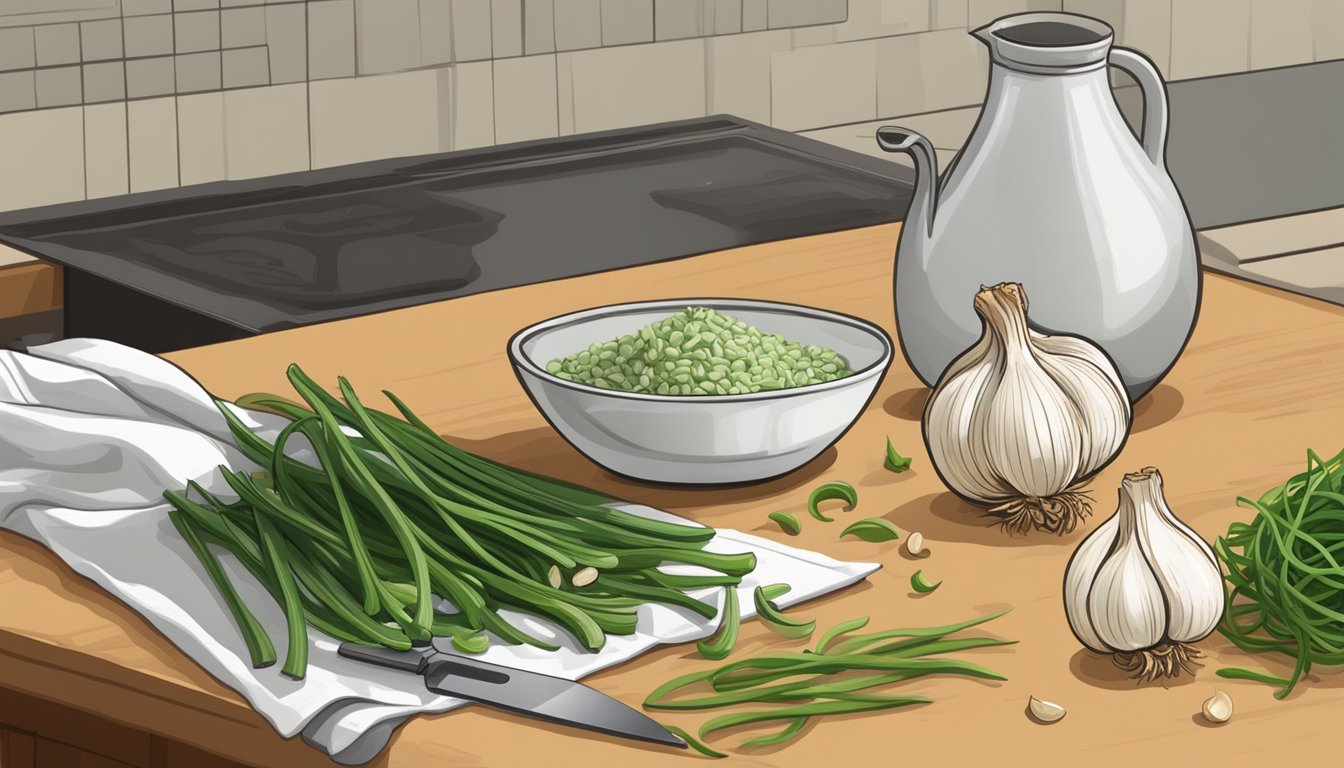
(1218, 707)
(914, 543)
(1045, 711)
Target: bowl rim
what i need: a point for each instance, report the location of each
(524, 362)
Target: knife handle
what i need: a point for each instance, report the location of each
(413, 660)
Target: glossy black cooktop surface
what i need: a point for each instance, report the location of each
(289, 250)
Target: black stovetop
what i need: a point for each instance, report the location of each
(283, 251)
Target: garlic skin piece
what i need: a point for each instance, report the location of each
(1143, 585)
(914, 543)
(1045, 711)
(1218, 707)
(1022, 419)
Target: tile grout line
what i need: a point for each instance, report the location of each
(307, 81)
(125, 104)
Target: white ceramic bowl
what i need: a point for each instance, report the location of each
(702, 439)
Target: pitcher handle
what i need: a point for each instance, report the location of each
(1154, 137)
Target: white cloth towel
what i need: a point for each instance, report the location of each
(92, 433)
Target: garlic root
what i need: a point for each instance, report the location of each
(1165, 660)
(1058, 514)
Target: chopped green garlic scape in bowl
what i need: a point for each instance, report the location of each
(700, 351)
(701, 391)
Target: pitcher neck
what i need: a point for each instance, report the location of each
(1048, 43)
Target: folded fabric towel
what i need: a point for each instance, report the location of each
(92, 433)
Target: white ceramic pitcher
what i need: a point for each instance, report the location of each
(1052, 190)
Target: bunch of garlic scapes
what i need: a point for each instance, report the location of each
(1143, 586)
(1022, 420)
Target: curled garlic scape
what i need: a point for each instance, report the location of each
(1022, 419)
(1144, 586)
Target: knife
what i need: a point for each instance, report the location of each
(533, 694)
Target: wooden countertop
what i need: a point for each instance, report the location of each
(1258, 385)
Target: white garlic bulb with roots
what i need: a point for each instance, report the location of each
(1143, 586)
(1022, 420)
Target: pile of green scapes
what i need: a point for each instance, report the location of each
(1286, 572)
(839, 675)
(395, 515)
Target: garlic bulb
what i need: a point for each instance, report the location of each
(1143, 585)
(1020, 420)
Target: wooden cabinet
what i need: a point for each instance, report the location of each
(35, 733)
(17, 749)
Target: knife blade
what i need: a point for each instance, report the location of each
(553, 699)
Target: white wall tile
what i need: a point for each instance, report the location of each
(287, 42)
(45, 162)
(721, 17)
(934, 70)
(105, 170)
(525, 98)
(538, 26)
(676, 19)
(239, 27)
(795, 13)
(59, 87)
(1147, 28)
(1327, 23)
(884, 18)
(1209, 37)
(151, 127)
(57, 44)
(981, 12)
(18, 91)
(814, 87)
(473, 100)
(806, 36)
(200, 135)
(471, 30)
(739, 72)
(1281, 33)
(627, 21)
(367, 118)
(506, 27)
(638, 84)
(331, 39)
(266, 130)
(436, 32)
(17, 48)
(196, 31)
(388, 37)
(948, 14)
(564, 93)
(755, 15)
(578, 24)
(1110, 11)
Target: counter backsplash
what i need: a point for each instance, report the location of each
(102, 97)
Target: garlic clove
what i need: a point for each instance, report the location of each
(1045, 711)
(1095, 390)
(1125, 603)
(1033, 439)
(1182, 563)
(914, 543)
(1218, 707)
(957, 411)
(1078, 581)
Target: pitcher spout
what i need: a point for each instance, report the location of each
(985, 33)
(924, 200)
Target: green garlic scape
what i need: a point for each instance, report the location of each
(700, 351)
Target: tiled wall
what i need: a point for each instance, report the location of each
(102, 97)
